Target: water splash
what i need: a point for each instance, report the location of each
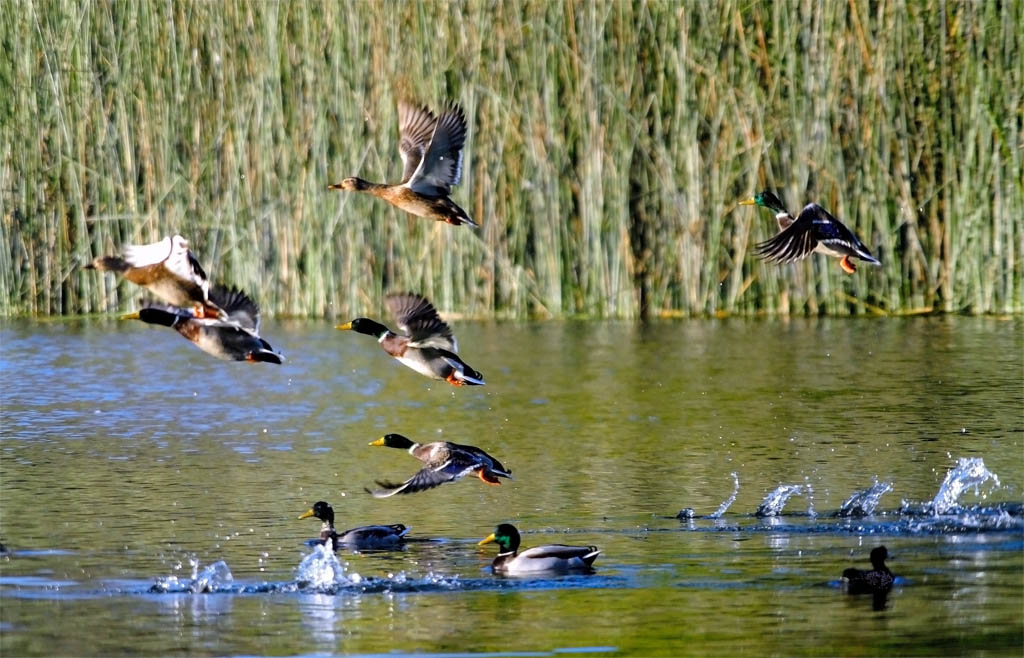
(970, 472)
(211, 578)
(864, 502)
(774, 502)
(810, 498)
(717, 514)
(322, 570)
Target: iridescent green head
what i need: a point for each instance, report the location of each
(765, 199)
(506, 536)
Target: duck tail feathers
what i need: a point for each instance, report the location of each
(265, 356)
(112, 263)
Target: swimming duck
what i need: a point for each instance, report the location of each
(236, 338)
(431, 150)
(367, 536)
(428, 347)
(813, 230)
(168, 270)
(865, 582)
(553, 557)
(445, 462)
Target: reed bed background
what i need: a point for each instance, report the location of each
(608, 145)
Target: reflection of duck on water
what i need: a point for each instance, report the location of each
(369, 536)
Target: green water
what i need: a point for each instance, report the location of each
(125, 453)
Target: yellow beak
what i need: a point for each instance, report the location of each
(306, 514)
(130, 316)
(344, 327)
(486, 540)
(748, 202)
(378, 442)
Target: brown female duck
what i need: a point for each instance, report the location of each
(168, 270)
(431, 150)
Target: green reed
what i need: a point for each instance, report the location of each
(609, 143)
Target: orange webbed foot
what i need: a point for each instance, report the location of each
(487, 477)
(453, 381)
(847, 265)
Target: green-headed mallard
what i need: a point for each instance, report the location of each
(431, 150)
(429, 347)
(236, 338)
(445, 462)
(878, 579)
(367, 536)
(550, 558)
(168, 270)
(813, 230)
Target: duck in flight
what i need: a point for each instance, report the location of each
(168, 269)
(814, 230)
(431, 149)
(428, 345)
(443, 462)
(236, 338)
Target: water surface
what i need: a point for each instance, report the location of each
(129, 459)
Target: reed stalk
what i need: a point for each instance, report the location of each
(608, 145)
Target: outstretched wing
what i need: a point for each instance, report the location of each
(427, 478)
(795, 242)
(441, 166)
(415, 126)
(239, 308)
(419, 320)
(143, 255)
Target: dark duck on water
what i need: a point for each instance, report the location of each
(878, 579)
(363, 537)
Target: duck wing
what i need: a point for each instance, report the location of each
(418, 319)
(795, 242)
(561, 552)
(441, 166)
(468, 456)
(835, 235)
(171, 252)
(427, 478)
(372, 534)
(237, 306)
(415, 127)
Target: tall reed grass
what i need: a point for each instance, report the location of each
(608, 145)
